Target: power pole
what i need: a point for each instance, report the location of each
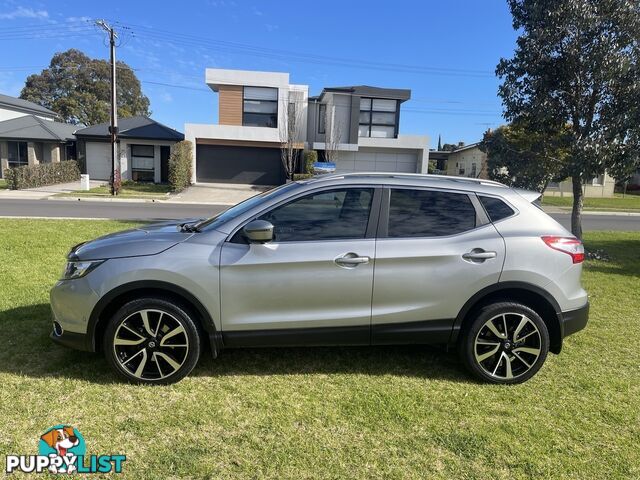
(113, 129)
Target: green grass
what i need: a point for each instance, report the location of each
(386, 412)
(628, 203)
(3, 184)
(129, 190)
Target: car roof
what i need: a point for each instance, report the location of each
(413, 179)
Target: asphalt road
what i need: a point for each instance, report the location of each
(158, 211)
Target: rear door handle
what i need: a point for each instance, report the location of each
(479, 255)
(351, 260)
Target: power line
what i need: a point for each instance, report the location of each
(175, 38)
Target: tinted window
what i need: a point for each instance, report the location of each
(496, 208)
(425, 213)
(326, 215)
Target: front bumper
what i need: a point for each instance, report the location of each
(77, 341)
(574, 320)
(71, 304)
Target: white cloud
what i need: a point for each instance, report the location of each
(23, 12)
(271, 27)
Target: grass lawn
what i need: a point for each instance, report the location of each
(629, 202)
(386, 412)
(3, 184)
(128, 190)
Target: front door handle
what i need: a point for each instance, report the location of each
(351, 260)
(479, 255)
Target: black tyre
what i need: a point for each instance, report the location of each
(505, 343)
(152, 341)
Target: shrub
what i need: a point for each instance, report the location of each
(180, 166)
(310, 157)
(302, 176)
(31, 176)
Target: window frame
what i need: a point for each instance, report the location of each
(322, 118)
(26, 153)
(482, 220)
(372, 225)
(143, 170)
(245, 113)
(371, 123)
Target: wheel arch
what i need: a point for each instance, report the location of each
(114, 299)
(536, 298)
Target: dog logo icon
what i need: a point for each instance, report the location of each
(63, 441)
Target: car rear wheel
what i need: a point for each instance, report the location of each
(505, 343)
(153, 341)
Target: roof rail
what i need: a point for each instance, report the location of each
(448, 178)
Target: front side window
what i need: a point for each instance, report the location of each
(428, 213)
(17, 154)
(378, 118)
(260, 107)
(327, 215)
(142, 163)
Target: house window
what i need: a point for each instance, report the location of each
(142, 163)
(322, 118)
(260, 107)
(378, 118)
(473, 170)
(17, 154)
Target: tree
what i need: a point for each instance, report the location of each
(291, 133)
(577, 63)
(439, 149)
(78, 89)
(450, 147)
(333, 134)
(522, 158)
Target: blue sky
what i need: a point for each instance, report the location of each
(445, 52)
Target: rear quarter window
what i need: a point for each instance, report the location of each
(496, 209)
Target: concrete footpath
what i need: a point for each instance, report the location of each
(201, 194)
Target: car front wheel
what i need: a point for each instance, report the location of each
(152, 341)
(505, 343)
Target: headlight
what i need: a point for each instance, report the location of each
(79, 269)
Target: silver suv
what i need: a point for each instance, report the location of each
(356, 259)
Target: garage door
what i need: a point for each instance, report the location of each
(229, 164)
(369, 160)
(98, 160)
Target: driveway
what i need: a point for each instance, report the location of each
(217, 193)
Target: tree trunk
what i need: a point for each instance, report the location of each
(578, 200)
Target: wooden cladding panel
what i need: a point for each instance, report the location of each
(230, 104)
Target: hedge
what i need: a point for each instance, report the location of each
(310, 157)
(31, 176)
(180, 166)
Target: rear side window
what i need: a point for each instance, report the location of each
(496, 208)
(426, 213)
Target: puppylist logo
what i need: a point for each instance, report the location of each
(61, 449)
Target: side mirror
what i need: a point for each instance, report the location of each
(258, 231)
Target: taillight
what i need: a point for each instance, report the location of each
(569, 245)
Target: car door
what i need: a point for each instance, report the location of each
(313, 283)
(436, 248)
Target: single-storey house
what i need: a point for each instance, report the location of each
(144, 147)
(29, 135)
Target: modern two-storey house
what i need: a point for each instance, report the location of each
(356, 126)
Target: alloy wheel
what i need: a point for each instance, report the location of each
(151, 344)
(507, 346)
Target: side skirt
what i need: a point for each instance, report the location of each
(423, 332)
